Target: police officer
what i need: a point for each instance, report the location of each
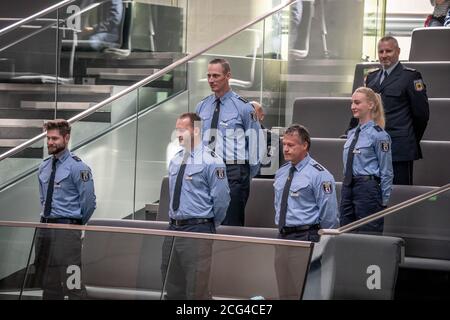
(406, 107)
(305, 193)
(231, 128)
(367, 158)
(305, 201)
(199, 198)
(66, 189)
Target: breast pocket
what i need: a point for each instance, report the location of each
(299, 189)
(228, 121)
(63, 182)
(193, 179)
(363, 149)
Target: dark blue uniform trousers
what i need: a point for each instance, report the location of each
(186, 264)
(238, 176)
(55, 251)
(288, 263)
(361, 199)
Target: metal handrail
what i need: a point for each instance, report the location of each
(394, 209)
(34, 16)
(157, 232)
(147, 80)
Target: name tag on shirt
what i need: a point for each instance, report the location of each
(57, 185)
(295, 194)
(223, 124)
(357, 151)
(188, 178)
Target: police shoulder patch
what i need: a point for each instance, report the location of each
(220, 173)
(327, 187)
(418, 85)
(385, 146)
(318, 167)
(76, 158)
(85, 175)
(243, 99)
(378, 128)
(213, 154)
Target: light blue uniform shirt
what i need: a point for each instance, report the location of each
(204, 192)
(312, 195)
(238, 129)
(372, 156)
(73, 191)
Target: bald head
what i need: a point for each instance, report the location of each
(259, 110)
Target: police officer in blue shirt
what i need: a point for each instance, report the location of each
(405, 102)
(66, 189)
(305, 201)
(231, 129)
(305, 193)
(199, 198)
(368, 172)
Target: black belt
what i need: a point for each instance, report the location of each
(366, 178)
(192, 221)
(236, 162)
(61, 220)
(288, 230)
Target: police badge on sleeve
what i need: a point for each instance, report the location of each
(85, 175)
(220, 173)
(385, 146)
(327, 187)
(418, 85)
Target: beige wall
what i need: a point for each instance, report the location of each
(210, 19)
(408, 6)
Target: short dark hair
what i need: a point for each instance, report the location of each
(389, 38)
(58, 124)
(301, 131)
(191, 116)
(225, 64)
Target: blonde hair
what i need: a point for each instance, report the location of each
(377, 113)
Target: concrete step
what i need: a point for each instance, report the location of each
(11, 143)
(7, 132)
(62, 89)
(27, 153)
(9, 115)
(62, 105)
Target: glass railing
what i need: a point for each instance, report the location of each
(94, 262)
(127, 141)
(413, 235)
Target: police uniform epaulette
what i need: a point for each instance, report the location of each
(243, 99)
(318, 167)
(76, 158)
(206, 98)
(373, 70)
(410, 69)
(285, 164)
(378, 128)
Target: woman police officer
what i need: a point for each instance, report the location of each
(367, 158)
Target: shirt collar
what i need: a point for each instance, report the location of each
(64, 156)
(391, 68)
(196, 150)
(367, 125)
(226, 96)
(299, 166)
